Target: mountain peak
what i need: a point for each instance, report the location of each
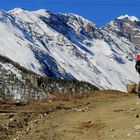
(17, 10)
(42, 11)
(131, 18)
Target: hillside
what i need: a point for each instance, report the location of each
(21, 85)
(67, 46)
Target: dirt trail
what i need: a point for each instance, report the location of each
(106, 115)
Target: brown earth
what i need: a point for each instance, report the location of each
(104, 115)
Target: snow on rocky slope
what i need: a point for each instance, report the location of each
(67, 46)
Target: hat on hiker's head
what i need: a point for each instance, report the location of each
(138, 57)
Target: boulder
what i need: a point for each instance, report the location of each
(131, 88)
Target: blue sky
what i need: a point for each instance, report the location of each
(98, 11)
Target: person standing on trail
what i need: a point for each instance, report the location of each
(137, 66)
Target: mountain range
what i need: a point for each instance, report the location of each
(70, 47)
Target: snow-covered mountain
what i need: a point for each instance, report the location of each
(67, 46)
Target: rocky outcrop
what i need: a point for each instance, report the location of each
(126, 27)
(132, 88)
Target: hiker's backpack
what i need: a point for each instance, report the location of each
(138, 57)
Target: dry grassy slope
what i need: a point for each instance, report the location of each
(104, 115)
